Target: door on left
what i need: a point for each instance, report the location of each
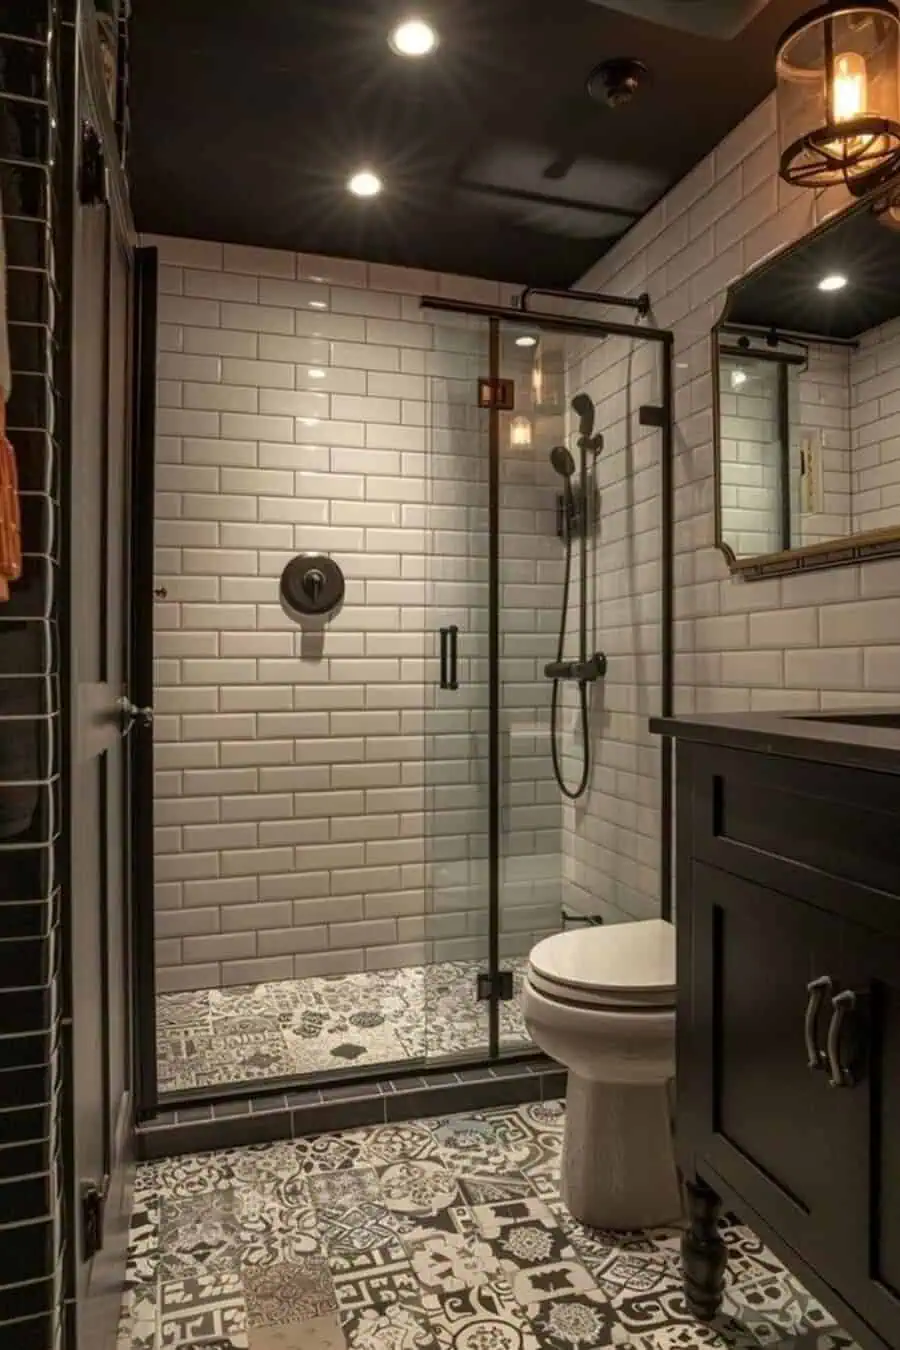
(97, 582)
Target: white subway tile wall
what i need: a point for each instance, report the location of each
(875, 423)
(821, 640)
(321, 795)
(611, 838)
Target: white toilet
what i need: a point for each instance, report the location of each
(601, 1001)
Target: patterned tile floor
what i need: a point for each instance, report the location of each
(292, 1027)
(443, 1234)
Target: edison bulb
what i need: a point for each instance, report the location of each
(849, 87)
(520, 431)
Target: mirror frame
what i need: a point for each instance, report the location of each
(851, 548)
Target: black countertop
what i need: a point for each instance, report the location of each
(866, 738)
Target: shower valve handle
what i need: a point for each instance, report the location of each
(585, 672)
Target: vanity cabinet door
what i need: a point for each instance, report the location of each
(867, 1052)
(757, 1114)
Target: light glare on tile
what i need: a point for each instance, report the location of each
(365, 183)
(738, 378)
(413, 37)
(316, 374)
(835, 281)
(317, 304)
(526, 341)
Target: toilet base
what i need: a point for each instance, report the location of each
(618, 1163)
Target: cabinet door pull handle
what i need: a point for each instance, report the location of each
(817, 989)
(842, 1004)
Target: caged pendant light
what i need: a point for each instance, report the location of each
(838, 96)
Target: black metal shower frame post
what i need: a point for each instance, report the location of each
(494, 696)
(667, 624)
(142, 481)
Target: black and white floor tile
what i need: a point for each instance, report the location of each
(257, 1031)
(445, 1234)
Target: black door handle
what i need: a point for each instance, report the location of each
(449, 657)
(817, 989)
(843, 1004)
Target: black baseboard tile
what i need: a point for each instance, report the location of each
(235, 1123)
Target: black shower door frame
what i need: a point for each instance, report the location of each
(659, 415)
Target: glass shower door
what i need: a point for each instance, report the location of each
(456, 762)
(577, 460)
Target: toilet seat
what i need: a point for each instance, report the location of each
(616, 966)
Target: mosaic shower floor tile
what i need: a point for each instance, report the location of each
(290, 1027)
(445, 1234)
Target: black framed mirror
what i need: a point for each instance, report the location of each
(806, 399)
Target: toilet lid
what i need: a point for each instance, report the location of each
(627, 964)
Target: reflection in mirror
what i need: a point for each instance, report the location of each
(807, 388)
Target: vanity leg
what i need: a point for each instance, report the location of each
(703, 1252)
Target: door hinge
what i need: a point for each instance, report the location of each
(93, 1204)
(485, 985)
(497, 394)
(92, 177)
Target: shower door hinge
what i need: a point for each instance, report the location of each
(652, 415)
(486, 986)
(93, 1206)
(497, 394)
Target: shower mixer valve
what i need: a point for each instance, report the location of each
(585, 672)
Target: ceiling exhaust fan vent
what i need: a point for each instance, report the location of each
(711, 18)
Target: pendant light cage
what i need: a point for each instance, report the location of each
(838, 96)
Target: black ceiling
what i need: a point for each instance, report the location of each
(248, 118)
(784, 294)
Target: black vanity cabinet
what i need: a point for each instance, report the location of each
(788, 937)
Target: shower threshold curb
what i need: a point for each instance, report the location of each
(292, 1114)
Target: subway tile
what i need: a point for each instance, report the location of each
(263, 262)
(371, 304)
(177, 252)
(335, 271)
(310, 351)
(220, 285)
(256, 319)
(254, 862)
(189, 313)
(220, 397)
(262, 374)
(283, 941)
(246, 426)
(219, 947)
(220, 342)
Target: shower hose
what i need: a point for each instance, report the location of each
(572, 794)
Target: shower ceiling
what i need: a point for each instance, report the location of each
(248, 119)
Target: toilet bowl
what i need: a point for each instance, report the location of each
(601, 1001)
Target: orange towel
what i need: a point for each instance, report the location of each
(10, 517)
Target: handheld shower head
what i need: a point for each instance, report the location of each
(583, 407)
(562, 461)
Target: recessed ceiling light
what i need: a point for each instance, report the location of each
(316, 374)
(365, 184)
(413, 37)
(526, 341)
(835, 281)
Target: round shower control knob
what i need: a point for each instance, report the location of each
(313, 582)
(312, 587)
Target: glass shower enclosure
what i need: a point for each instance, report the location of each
(523, 797)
